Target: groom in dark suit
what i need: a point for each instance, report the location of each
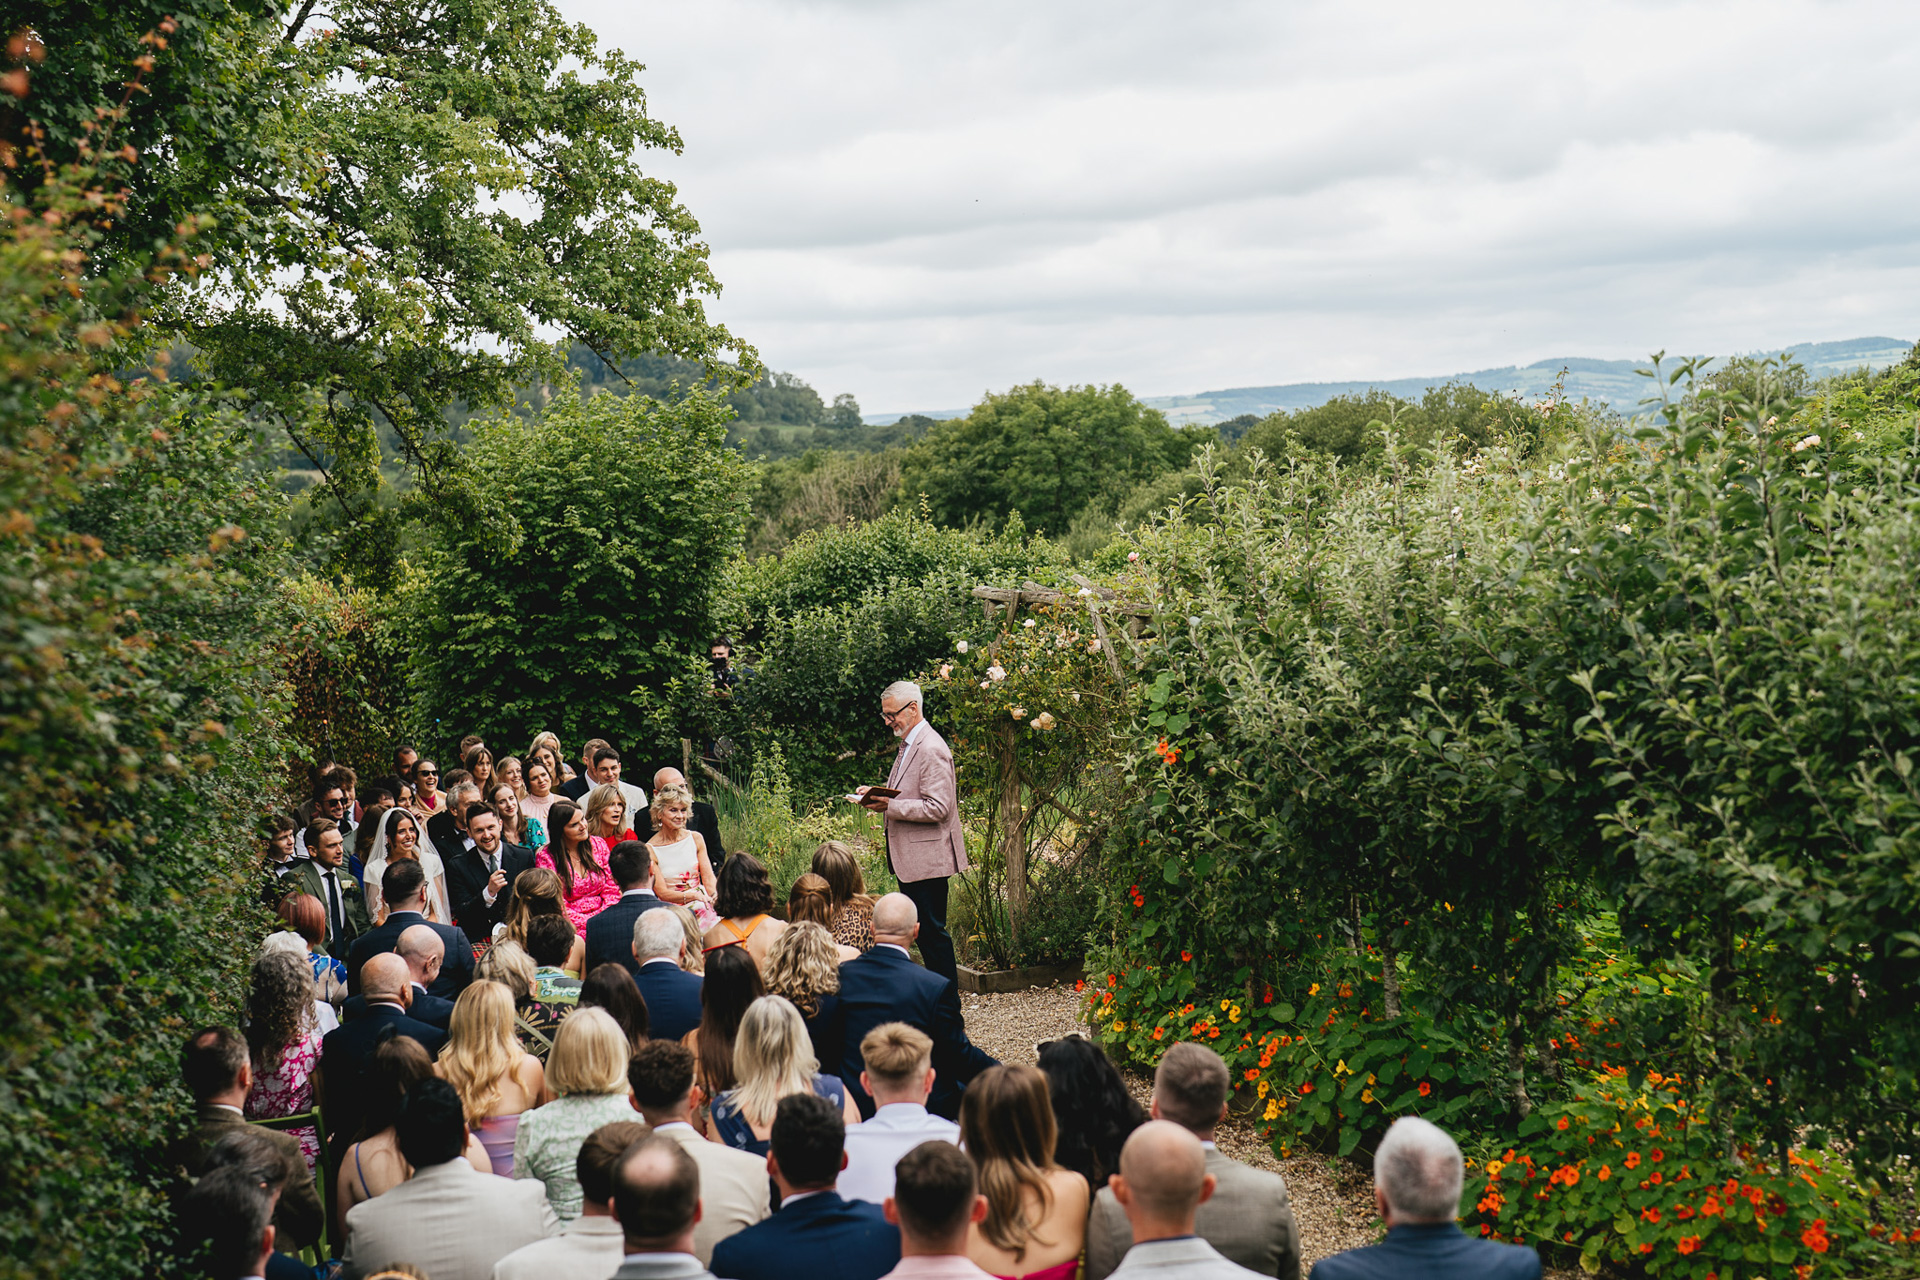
(610, 933)
(480, 878)
(404, 886)
(324, 875)
(885, 985)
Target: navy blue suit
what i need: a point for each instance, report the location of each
(1432, 1251)
(427, 1008)
(610, 933)
(884, 985)
(346, 1061)
(456, 967)
(673, 999)
(822, 1235)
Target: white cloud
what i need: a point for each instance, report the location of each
(917, 201)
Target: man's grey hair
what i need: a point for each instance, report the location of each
(658, 935)
(903, 692)
(461, 792)
(1418, 1169)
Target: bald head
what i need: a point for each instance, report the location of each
(1163, 1179)
(668, 777)
(423, 951)
(895, 917)
(385, 977)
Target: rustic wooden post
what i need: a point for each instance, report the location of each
(1012, 822)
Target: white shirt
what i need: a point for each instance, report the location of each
(875, 1147)
(897, 947)
(915, 731)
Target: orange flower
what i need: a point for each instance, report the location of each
(1425, 1088)
(1651, 1214)
(1186, 955)
(1306, 1088)
(1710, 1209)
(1656, 1155)
(1563, 1123)
(1688, 1244)
(1253, 1073)
(1158, 1032)
(1815, 1236)
(1632, 1161)
(1081, 985)
(1655, 1179)
(1605, 1173)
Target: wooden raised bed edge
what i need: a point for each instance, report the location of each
(989, 981)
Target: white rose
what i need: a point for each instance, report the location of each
(1029, 623)
(996, 672)
(962, 646)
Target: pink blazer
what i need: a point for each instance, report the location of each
(923, 821)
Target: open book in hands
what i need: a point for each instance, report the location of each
(868, 795)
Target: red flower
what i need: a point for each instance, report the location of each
(1564, 1122)
(1158, 1032)
(1632, 1161)
(1688, 1244)
(1425, 1088)
(1815, 1236)
(1306, 1088)
(1186, 955)
(1711, 1209)
(1651, 1214)
(1656, 1155)
(1081, 985)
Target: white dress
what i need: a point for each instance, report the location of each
(376, 867)
(678, 865)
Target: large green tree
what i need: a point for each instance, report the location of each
(1049, 453)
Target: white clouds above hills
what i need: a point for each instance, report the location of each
(919, 201)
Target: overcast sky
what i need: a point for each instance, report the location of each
(918, 202)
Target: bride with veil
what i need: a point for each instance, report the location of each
(398, 840)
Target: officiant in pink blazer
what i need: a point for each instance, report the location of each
(924, 841)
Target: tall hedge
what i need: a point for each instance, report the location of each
(137, 733)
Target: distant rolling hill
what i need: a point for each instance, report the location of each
(1612, 381)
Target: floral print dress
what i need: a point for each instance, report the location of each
(287, 1090)
(593, 892)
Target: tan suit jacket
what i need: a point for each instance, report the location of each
(1248, 1219)
(923, 822)
(734, 1190)
(450, 1220)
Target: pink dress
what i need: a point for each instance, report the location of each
(593, 892)
(287, 1090)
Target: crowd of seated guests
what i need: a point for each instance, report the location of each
(598, 1057)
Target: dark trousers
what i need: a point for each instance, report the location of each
(936, 945)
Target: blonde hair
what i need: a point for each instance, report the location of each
(481, 1049)
(672, 793)
(696, 961)
(772, 1058)
(803, 965)
(507, 963)
(894, 1053)
(601, 799)
(589, 1054)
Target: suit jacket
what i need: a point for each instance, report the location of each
(610, 933)
(673, 999)
(1248, 1220)
(447, 839)
(456, 969)
(298, 1216)
(353, 903)
(884, 985)
(822, 1235)
(734, 1190)
(1439, 1250)
(705, 820)
(586, 1249)
(346, 1059)
(1189, 1258)
(575, 787)
(924, 839)
(467, 886)
(426, 1007)
(450, 1220)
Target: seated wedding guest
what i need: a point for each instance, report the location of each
(656, 1198)
(537, 891)
(373, 1165)
(1095, 1114)
(404, 886)
(497, 1080)
(286, 940)
(404, 757)
(277, 862)
(304, 916)
(672, 994)
(682, 867)
(899, 1076)
(283, 1045)
(425, 954)
(535, 1022)
(804, 966)
(583, 779)
(814, 1232)
(705, 819)
(513, 773)
(733, 1184)
(772, 1059)
(1417, 1177)
(398, 841)
(447, 829)
(250, 1150)
(606, 773)
(588, 1074)
(552, 944)
(215, 1065)
(587, 888)
(226, 1226)
(427, 798)
(610, 987)
(468, 742)
(1036, 1221)
(694, 959)
(852, 907)
(480, 875)
(590, 1246)
(538, 798)
(504, 799)
(606, 808)
(811, 900)
(744, 903)
(332, 800)
(1247, 1218)
(730, 984)
(371, 820)
(885, 985)
(448, 1220)
(1163, 1179)
(478, 762)
(324, 875)
(610, 932)
(936, 1207)
(346, 1055)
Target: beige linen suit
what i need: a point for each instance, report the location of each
(450, 1220)
(1249, 1219)
(923, 821)
(734, 1192)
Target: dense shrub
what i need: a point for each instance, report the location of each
(348, 682)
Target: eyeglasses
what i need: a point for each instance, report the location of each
(891, 716)
(334, 802)
(428, 773)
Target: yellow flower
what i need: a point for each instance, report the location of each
(1224, 1004)
(1264, 1086)
(1314, 990)
(1366, 1095)
(1370, 1079)
(1495, 1166)
(1273, 1110)
(1233, 1014)
(1340, 1069)
(1119, 1026)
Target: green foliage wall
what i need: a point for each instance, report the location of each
(618, 518)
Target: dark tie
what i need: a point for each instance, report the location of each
(336, 922)
(493, 865)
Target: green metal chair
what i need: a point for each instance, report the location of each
(317, 1118)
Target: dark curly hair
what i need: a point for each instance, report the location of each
(743, 888)
(1091, 1103)
(279, 1006)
